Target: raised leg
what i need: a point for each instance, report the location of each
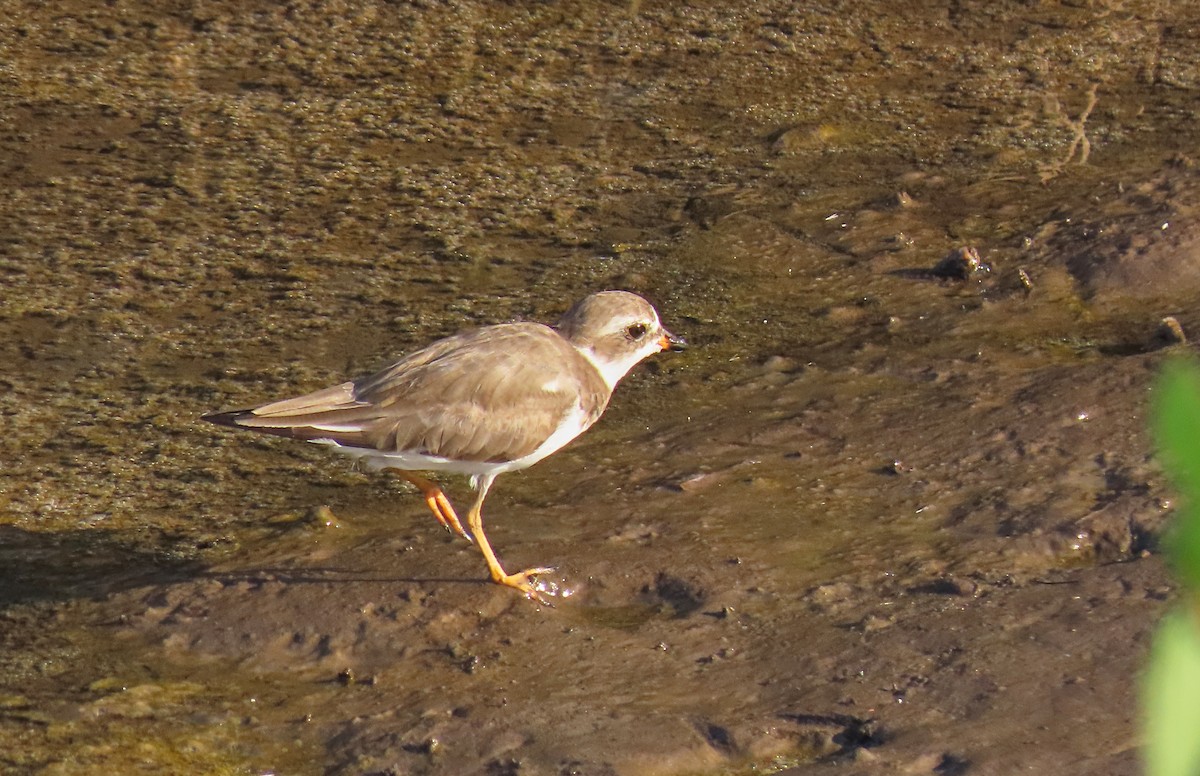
(519, 580)
(437, 502)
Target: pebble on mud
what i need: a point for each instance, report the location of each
(960, 264)
(873, 623)
(899, 199)
(1169, 332)
(1025, 280)
(322, 515)
(791, 140)
(895, 468)
(429, 746)
(694, 482)
(778, 363)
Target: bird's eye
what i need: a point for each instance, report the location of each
(636, 331)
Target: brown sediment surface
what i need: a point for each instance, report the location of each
(877, 519)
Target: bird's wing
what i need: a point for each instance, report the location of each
(493, 394)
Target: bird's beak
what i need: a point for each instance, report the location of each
(669, 341)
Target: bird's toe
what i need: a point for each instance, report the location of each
(539, 590)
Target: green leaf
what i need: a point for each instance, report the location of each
(1171, 698)
(1177, 431)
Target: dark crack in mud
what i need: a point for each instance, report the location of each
(894, 512)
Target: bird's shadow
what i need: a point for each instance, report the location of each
(89, 563)
(94, 563)
(323, 575)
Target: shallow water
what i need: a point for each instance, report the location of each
(862, 483)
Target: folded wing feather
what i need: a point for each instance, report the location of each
(493, 394)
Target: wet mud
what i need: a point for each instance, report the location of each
(895, 511)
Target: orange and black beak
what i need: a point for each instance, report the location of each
(669, 341)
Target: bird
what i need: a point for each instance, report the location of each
(480, 403)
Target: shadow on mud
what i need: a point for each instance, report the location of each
(91, 563)
(87, 563)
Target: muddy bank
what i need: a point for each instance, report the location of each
(880, 517)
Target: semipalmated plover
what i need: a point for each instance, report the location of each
(481, 403)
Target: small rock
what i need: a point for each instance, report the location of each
(696, 482)
(873, 623)
(960, 264)
(778, 363)
(323, 516)
(1169, 332)
(791, 140)
(895, 468)
(832, 592)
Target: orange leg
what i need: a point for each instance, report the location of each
(520, 580)
(437, 502)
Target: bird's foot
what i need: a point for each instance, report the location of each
(437, 502)
(442, 509)
(526, 581)
(452, 525)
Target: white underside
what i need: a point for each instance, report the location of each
(572, 425)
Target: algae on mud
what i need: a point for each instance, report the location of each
(212, 202)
